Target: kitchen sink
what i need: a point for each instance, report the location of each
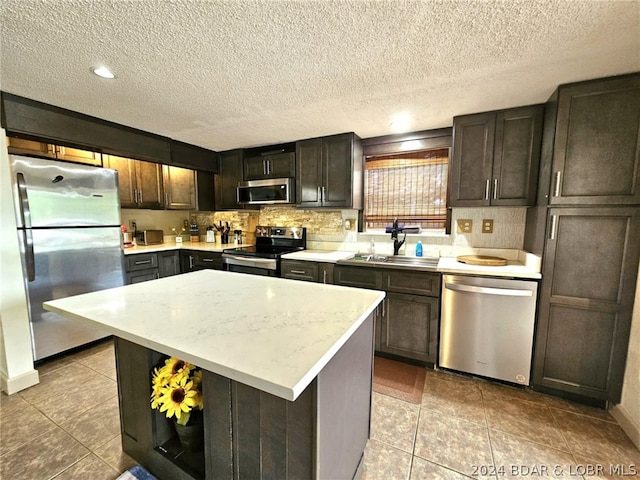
(422, 263)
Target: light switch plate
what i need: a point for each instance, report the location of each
(464, 225)
(487, 225)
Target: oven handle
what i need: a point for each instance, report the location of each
(489, 291)
(246, 260)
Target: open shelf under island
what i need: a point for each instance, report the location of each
(287, 371)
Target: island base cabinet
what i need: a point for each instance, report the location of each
(252, 434)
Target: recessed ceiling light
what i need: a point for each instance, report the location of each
(401, 123)
(103, 72)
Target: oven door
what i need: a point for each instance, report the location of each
(267, 267)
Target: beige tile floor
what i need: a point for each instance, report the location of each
(67, 427)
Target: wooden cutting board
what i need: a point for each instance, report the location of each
(484, 260)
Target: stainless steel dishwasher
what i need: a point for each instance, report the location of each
(487, 326)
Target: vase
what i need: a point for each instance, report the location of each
(191, 436)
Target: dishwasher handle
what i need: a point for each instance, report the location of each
(508, 292)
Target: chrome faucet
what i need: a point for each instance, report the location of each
(394, 234)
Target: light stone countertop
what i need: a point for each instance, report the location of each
(269, 333)
(201, 246)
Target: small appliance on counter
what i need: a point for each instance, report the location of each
(150, 237)
(127, 238)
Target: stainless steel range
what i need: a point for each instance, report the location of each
(264, 257)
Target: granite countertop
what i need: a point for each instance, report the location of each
(269, 333)
(201, 246)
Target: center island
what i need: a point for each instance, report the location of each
(287, 371)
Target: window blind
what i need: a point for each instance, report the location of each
(409, 186)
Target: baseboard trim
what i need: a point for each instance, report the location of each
(627, 422)
(15, 384)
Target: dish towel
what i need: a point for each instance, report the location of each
(136, 473)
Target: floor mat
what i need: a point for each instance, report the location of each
(398, 380)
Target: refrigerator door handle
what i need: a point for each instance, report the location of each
(27, 243)
(25, 213)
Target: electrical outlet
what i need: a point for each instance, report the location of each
(464, 225)
(132, 225)
(348, 224)
(487, 225)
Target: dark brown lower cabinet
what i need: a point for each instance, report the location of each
(141, 267)
(191, 260)
(586, 300)
(251, 434)
(407, 323)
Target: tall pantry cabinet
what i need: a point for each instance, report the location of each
(587, 227)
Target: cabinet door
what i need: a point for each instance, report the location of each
(179, 188)
(149, 184)
(254, 168)
(20, 146)
(362, 277)
(210, 260)
(325, 273)
(168, 264)
(596, 156)
(187, 261)
(299, 270)
(516, 158)
(415, 283)
(337, 170)
(281, 165)
(472, 159)
(141, 276)
(586, 300)
(309, 172)
(78, 156)
(227, 180)
(127, 188)
(409, 327)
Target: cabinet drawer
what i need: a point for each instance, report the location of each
(207, 260)
(415, 283)
(307, 271)
(361, 277)
(141, 261)
(138, 276)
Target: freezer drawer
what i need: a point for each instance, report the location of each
(487, 326)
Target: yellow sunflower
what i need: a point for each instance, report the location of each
(178, 399)
(174, 366)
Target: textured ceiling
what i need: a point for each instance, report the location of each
(240, 73)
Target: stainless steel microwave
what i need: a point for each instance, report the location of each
(266, 192)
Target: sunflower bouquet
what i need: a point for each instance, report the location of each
(176, 388)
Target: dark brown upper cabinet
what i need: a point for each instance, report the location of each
(139, 183)
(592, 155)
(193, 157)
(329, 172)
(496, 156)
(274, 161)
(227, 179)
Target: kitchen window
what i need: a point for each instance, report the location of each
(411, 187)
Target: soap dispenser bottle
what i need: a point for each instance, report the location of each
(419, 249)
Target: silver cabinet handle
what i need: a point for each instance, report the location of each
(268, 167)
(508, 292)
(322, 198)
(166, 199)
(140, 194)
(495, 188)
(207, 259)
(556, 188)
(141, 262)
(324, 276)
(299, 272)
(135, 195)
(554, 225)
(319, 194)
(190, 262)
(487, 187)
(264, 167)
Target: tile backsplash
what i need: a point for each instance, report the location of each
(326, 228)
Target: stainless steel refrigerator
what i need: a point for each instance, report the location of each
(68, 218)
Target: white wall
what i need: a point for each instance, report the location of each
(628, 411)
(16, 359)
